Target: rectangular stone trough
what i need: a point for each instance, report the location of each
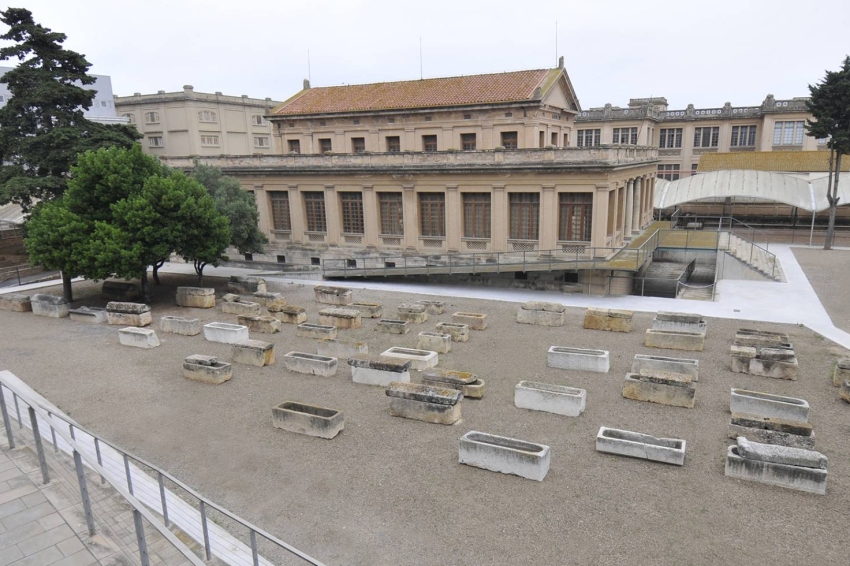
(424, 402)
(130, 314)
(844, 391)
(308, 419)
(180, 325)
(750, 337)
(769, 405)
(769, 430)
(541, 314)
(336, 348)
(665, 389)
(90, 315)
(389, 326)
(378, 370)
(679, 322)
(767, 361)
(310, 330)
(246, 285)
(196, 297)
(311, 364)
(253, 353)
(582, 359)
(52, 306)
(662, 364)
(368, 310)
(289, 314)
(15, 302)
(341, 318)
(675, 340)
(231, 304)
(464, 381)
(419, 359)
(504, 455)
(638, 445)
(261, 324)
(206, 369)
(412, 313)
(474, 320)
(558, 399)
(433, 307)
(781, 466)
(612, 320)
(332, 295)
(138, 337)
(225, 333)
(841, 371)
(435, 341)
(458, 332)
(267, 299)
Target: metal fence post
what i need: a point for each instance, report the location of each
(127, 473)
(18, 410)
(6, 422)
(140, 538)
(99, 459)
(254, 557)
(203, 509)
(162, 497)
(84, 492)
(38, 446)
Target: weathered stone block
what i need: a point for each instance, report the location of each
(679, 322)
(309, 330)
(541, 314)
(638, 445)
(336, 348)
(378, 370)
(246, 285)
(311, 364)
(424, 402)
(239, 307)
(468, 383)
(52, 306)
(791, 468)
(196, 297)
(769, 405)
(612, 320)
(841, 371)
(458, 332)
(670, 389)
(474, 320)
(844, 392)
(138, 337)
(90, 315)
(130, 314)
(749, 337)
(776, 362)
(796, 434)
(15, 302)
(308, 419)
(267, 299)
(433, 307)
(253, 353)
(341, 318)
(225, 333)
(578, 359)
(435, 341)
(504, 455)
(120, 291)
(558, 399)
(415, 314)
(289, 314)
(419, 359)
(675, 340)
(129, 308)
(261, 324)
(206, 369)
(368, 310)
(662, 364)
(180, 325)
(332, 295)
(388, 326)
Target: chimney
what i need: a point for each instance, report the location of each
(561, 62)
(306, 84)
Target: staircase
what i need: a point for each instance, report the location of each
(661, 279)
(751, 254)
(700, 286)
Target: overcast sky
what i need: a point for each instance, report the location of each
(705, 53)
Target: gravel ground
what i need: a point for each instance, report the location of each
(389, 491)
(827, 272)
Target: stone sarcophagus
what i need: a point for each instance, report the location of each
(419, 359)
(15, 302)
(344, 349)
(378, 370)
(180, 325)
(89, 315)
(750, 337)
(327, 295)
(540, 313)
(288, 314)
(663, 364)
(504, 455)
(253, 353)
(665, 389)
(246, 285)
(782, 466)
(581, 359)
(675, 340)
(458, 332)
(844, 391)
(309, 330)
(368, 310)
(841, 371)
(433, 307)
(206, 369)
(196, 297)
(267, 299)
(341, 318)
(557, 399)
(769, 405)
(473, 320)
(424, 402)
(234, 304)
(261, 324)
(130, 314)
(468, 383)
(412, 313)
(679, 322)
(435, 341)
(225, 333)
(389, 326)
(779, 362)
(52, 306)
(138, 337)
(643, 446)
(311, 364)
(612, 320)
(308, 419)
(770, 430)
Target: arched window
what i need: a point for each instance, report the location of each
(151, 117)
(131, 117)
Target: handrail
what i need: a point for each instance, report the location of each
(254, 530)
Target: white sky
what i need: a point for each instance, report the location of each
(705, 52)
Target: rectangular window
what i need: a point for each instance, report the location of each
(356, 122)
(694, 168)
(358, 145)
(3, 99)
(554, 139)
(280, 210)
(670, 138)
(314, 207)
(706, 137)
(525, 216)
(155, 141)
(509, 114)
(294, 146)
(392, 216)
(509, 140)
(427, 118)
(575, 214)
(432, 214)
(261, 141)
(467, 142)
(429, 143)
(325, 145)
(588, 138)
(390, 120)
(393, 144)
(209, 140)
(467, 116)
(258, 120)
(788, 133)
(669, 172)
(151, 117)
(476, 215)
(352, 212)
(207, 116)
(743, 136)
(625, 136)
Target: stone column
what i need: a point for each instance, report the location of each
(296, 215)
(600, 215)
(371, 221)
(499, 219)
(454, 228)
(264, 209)
(411, 217)
(333, 221)
(637, 218)
(630, 208)
(548, 232)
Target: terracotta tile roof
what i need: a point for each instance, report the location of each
(449, 91)
(789, 161)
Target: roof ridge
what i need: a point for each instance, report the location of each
(434, 78)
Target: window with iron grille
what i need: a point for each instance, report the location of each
(588, 138)
(390, 120)
(670, 138)
(358, 145)
(429, 143)
(258, 120)
(509, 140)
(209, 140)
(356, 122)
(669, 172)
(743, 136)
(207, 116)
(155, 141)
(314, 207)
(509, 114)
(261, 141)
(467, 116)
(788, 133)
(325, 145)
(280, 210)
(467, 142)
(352, 212)
(151, 117)
(392, 218)
(576, 214)
(476, 215)
(432, 214)
(294, 146)
(393, 144)
(625, 136)
(706, 137)
(525, 216)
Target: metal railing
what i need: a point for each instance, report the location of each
(753, 247)
(127, 490)
(18, 271)
(10, 231)
(719, 224)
